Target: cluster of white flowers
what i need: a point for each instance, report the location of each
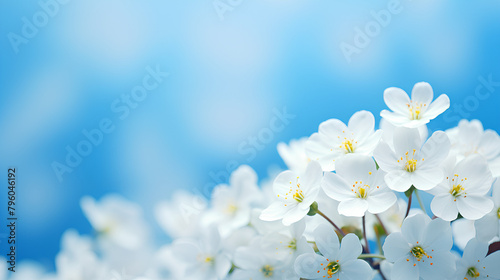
(342, 211)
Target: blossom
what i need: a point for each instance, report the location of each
(359, 187)
(334, 262)
(203, 257)
(117, 220)
(294, 154)
(421, 249)
(469, 138)
(476, 265)
(232, 204)
(388, 132)
(180, 217)
(295, 193)
(488, 227)
(417, 111)
(287, 243)
(253, 262)
(410, 163)
(464, 190)
(335, 140)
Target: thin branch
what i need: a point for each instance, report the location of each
(331, 222)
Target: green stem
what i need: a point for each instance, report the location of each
(420, 202)
(367, 247)
(331, 222)
(409, 204)
(370, 256)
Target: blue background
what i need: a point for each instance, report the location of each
(227, 77)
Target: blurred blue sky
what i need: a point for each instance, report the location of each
(228, 77)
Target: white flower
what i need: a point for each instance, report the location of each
(359, 187)
(488, 227)
(388, 132)
(77, 260)
(463, 230)
(288, 243)
(294, 154)
(295, 194)
(254, 263)
(203, 257)
(334, 262)
(476, 265)
(117, 220)
(334, 139)
(464, 190)
(470, 138)
(421, 249)
(410, 163)
(232, 204)
(417, 111)
(180, 217)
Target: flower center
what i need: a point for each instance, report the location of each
(418, 252)
(360, 189)
(333, 267)
(205, 259)
(457, 188)
(498, 213)
(267, 270)
(348, 145)
(293, 244)
(472, 272)
(415, 110)
(411, 163)
(298, 195)
(231, 208)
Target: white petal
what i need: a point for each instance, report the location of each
(332, 128)
(396, 247)
(355, 167)
(475, 250)
(475, 173)
(435, 150)
(248, 258)
(396, 119)
(444, 207)
(354, 207)
(441, 104)
(422, 93)
(282, 183)
(336, 187)
(443, 265)
(385, 157)
(380, 202)
(474, 207)
(274, 212)
(437, 235)
(426, 179)
(357, 269)
(312, 176)
(294, 215)
(320, 147)
(487, 227)
(406, 140)
(413, 228)
(489, 145)
(398, 180)
(362, 123)
(308, 265)
(397, 100)
(350, 248)
(491, 263)
(403, 269)
(326, 240)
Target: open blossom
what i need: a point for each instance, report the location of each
(288, 243)
(476, 265)
(334, 139)
(417, 111)
(294, 154)
(464, 190)
(410, 163)
(469, 138)
(203, 258)
(232, 204)
(335, 262)
(488, 227)
(421, 249)
(294, 193)
(359, 187)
